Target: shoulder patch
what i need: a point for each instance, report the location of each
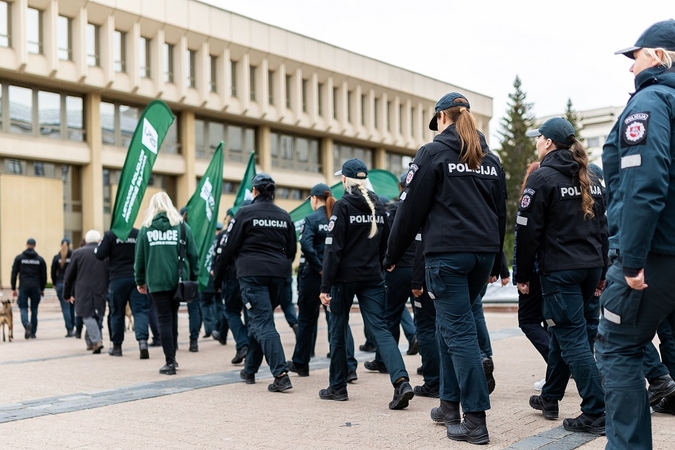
(229, 227)
(331, 224)
(526, 199)
(411, 173)
(634, 128)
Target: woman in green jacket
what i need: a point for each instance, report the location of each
(156, 268)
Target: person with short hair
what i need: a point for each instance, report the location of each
(86, 285)
(637, 161)
(31, 270)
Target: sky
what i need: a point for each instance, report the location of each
(560, 50)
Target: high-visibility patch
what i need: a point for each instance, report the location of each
(329, 241)
(612, 317)
(521, 220)
(631, 161)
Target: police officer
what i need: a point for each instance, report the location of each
(262, 239)
(312, 243)
(355, 244)
(213, 315)
(32, 272)
(122, 290)
(639, 172)
(561, 222)
(456, 195)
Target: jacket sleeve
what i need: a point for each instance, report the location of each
(307, 244)
(139, 257)
(54, 269)
(335, 241)
(414, 207)
(70, 276)
(191, 253)
(15, 271)
(530, 225)
(218, 265)
(500, 258)
(417, 281)
(43, 274)
(505, 267)
(102, 251)
(235, 237)
(291, 240)
(385, 237)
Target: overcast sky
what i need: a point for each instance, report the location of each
(560, 50)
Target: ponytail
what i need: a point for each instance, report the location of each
(64, 254)
(360, 184)
(471, 152)
(581, 158)
(330, 202)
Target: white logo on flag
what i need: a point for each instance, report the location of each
(149, 138)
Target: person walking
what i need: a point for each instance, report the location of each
(31, 270)
(456, 195)
(86, 285)
(156, 268)
(60, 264)
(637, 161)
(262, 244)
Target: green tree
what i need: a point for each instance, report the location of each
(517, 151)
(573, 118)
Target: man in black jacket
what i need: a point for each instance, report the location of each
(32, 272)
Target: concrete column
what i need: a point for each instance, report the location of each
(327, 163)
(380, 159)
(187, 182)
(264, 152)
(92, 173)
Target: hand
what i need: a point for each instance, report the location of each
(492, 279)
(14, 293)
(600, 288)
(391, 268)
(142, 289)
(505, 281)
(417, 292)
(524, 288)
(42, 293)
(638, 282)
(325, 299)
(71, 299)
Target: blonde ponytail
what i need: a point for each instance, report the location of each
(360, 184)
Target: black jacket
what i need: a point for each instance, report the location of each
(408, 258)
(87, 280)
(313, 239)
(31, 270)
(56, 270)
(349, 254)
(458, 209)
(222, 271)
(261, 241)
(120, 254)
(550, 224)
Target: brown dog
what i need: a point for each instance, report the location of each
(7, 318)
(130, 318)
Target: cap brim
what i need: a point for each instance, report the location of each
(338, 173)
(532, 133)
(433, 125)
(627, 52)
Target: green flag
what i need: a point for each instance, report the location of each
(245, 192)
(382, 182)
(145, 143)
(202, 213)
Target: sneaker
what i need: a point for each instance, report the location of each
(339, 395)
(241, 354)
(539, 385)
(97, 348)
(548, 409)
(194, 346)
(402, 395)
(488, 369)
(375, 366)
(447, 413)
(586, 424)
(293, 368)
(168, 369)
(426, 391)
(27, 333)
(413, 347)
(659, 388)
(472, 429)
(248, 378)
(368, 347)
(665, 406)
(351, 376)
(155, 343)
(115, 350)
(143, 347)
(280, 384)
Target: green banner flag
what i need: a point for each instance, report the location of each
(245, 189)
(145, 143)
(202, 214)
(382, 182)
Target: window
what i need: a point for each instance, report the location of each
(375, 110)
(49, 114)
(294, 152)
(251, 81)
(128, 119)
(270, 87)
(74, 118)
(20, 110)
(34, 29)
(191, 58)
(239, 141)
(593, 142)
(118, 123)
(144, 57)
(233, 78)
(305, 83)
(213, 73)
(5, 24)
(93, 45)
(168, 63)
(397, 163)
(343, 152)
(335, 103)
(363, 110)
(120, 51)
(65, 38)
(15, 166)
(320, 99)
(288, 91)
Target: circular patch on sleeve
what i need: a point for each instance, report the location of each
(331, 224)
(525, 201)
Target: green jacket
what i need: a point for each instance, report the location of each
(157, 250)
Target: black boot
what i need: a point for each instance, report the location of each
(115, 350)
(447, 413)
(143, 347)
(472, 430)
(194, 347)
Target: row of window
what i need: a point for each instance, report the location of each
(239, 141)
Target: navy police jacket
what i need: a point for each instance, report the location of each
(639, 167)
(408, 258)
(121, 254)
(261, 240)
(31, 270)
(349, 254)
(458, 209)
(550, 225)
(313, 238)
(221, 271)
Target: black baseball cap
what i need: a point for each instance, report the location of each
(556, 129)
(353, 168)
(659, 35)
(262, 179)
(319, 190)
(30, 241)
(447, 101)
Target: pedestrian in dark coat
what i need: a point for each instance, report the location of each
(86, 285)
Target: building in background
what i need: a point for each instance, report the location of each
(75, 76)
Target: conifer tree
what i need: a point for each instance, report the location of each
(573, 118)
(517, 151)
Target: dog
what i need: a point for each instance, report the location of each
(130, 318)
(7, 318)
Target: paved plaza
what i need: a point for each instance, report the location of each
(55, 394)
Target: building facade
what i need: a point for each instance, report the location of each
(75, 76)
